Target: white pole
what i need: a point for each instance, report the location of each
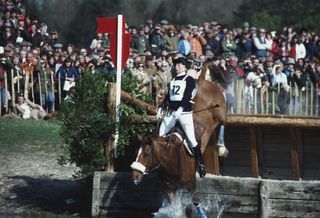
(118, 88)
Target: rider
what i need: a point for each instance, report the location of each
(179, 99)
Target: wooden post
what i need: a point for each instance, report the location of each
(26, 85)
(243, 101)
(273, 106)
(267, 101)
(255, 100)
(40, 92)
(261, 101)
(290, 100)
(294, 155)
(6, 90)
(311, 100)
(13, 97)
(18, 81)
(46, 90)
(211, 159)
(300, 102)
(32, 90)
(307, 98)
(253, 152)
(59, 88)
(296, 93)
(238, 93)
(317, 100)
(53, 91)
(264, 199)
(111, 104)
(0, 103)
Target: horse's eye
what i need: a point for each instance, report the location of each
(146, 155)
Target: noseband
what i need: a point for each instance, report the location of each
(143, 169)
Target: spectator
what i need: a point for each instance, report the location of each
(34, 36)
(196, 41)
(68, 76)
(142, 77)
(45, 86)
(28, 110)
(280, 84)
(157, 41)
(228, 44)
(246, 44)
(160, 82)
(262, 44)
(184, 46)
(140, 41)
(171, 40)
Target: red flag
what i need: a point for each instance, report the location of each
(109, 25)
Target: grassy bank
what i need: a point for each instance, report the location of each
(19, 134)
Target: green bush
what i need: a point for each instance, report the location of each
(86, 126)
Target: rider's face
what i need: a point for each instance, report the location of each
(180, 68)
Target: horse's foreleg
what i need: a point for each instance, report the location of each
(171, 196)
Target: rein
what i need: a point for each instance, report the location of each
(206, 109)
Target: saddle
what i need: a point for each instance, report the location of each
(198, 132)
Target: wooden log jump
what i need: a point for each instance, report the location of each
(115, 195)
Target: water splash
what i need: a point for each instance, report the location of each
(183, 207)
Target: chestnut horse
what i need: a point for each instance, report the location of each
(176, 167)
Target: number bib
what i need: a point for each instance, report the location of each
(177, 88)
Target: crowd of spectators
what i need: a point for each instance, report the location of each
(35, 63)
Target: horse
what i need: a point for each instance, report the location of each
(157, 152)
(175, 164)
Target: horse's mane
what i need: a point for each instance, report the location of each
(216, 72)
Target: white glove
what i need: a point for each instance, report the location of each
(159, 113)
(177, 113)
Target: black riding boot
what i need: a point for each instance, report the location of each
(199, 158)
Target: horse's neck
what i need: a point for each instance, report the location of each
(203, 72)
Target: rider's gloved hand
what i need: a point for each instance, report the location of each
(177, 113)
(159, 113)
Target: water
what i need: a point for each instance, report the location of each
(212, 204)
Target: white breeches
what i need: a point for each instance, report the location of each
(186, 122)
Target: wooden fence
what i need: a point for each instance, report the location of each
(245, 100)
(274, 100)
(31, 87)
(115, 195)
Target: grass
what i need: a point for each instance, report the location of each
(18, 136)
(15, 134)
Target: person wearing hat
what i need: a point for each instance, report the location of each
(197, 41)
(171, 39)
(179, 102)
(156, 41)
(140, 41)
(262, 44)
(289, 67)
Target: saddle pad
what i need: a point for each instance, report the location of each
(185, 144)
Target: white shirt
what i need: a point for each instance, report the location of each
(26, 111)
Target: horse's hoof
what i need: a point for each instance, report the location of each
(223, 151)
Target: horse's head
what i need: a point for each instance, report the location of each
(146, 160)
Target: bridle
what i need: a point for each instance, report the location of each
(147, 171)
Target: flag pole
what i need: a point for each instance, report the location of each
(118, 87)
